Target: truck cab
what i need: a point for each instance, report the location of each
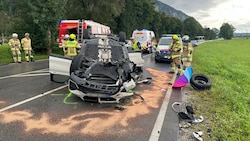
(77, 27)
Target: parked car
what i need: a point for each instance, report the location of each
(162, 51)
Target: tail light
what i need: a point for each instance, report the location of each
(148, 43)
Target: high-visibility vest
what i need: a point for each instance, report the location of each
(26, 43)
(71, 45)
(135, 46)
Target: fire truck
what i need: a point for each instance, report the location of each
(77, 27)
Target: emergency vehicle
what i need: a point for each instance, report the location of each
(145, 37)
(77, 27)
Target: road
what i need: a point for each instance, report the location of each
(34, 108)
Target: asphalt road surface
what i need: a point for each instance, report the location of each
(32, 108)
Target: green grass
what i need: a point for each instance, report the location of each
(6, 57)
(227, 104)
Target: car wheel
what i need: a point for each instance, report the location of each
(51, 77)
(157, 61)
(122, 36)
(76, 63)
(200, 82)
(86, 34)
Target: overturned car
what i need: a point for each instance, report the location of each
(104, 71)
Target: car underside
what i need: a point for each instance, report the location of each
(103, 71)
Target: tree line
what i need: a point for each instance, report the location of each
(41, 18)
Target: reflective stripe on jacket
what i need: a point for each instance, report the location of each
(176, 49)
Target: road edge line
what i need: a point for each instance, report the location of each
(155, 134)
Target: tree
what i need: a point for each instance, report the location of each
(226, 31)
(192, 28)
(209, 34)
(102, 11)
(46, 15)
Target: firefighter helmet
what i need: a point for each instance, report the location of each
(66, 36)
(185, 38)
(72, 36)
(14, 35)
(175, 37)
(26, 34)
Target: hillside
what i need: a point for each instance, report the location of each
(162, 7)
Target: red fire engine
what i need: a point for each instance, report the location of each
(77, 27)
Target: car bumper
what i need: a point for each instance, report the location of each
(160, 57)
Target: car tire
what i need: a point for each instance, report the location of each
(157, 61)
(51, 77)
(122, 36)
(86, 34)
(76, 63)
(200, 82)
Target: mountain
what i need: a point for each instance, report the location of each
(162, 7)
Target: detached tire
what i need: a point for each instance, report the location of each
(76, 63)
(200, 82)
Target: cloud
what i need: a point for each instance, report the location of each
(213, 13)
(190, 6)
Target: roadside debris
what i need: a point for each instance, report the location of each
(198, 135)
(119, 108)
(200, 82)
(186, 112)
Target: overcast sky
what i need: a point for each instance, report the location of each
(213, 13)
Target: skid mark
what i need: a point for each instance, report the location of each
(99, 121)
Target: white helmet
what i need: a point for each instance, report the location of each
(26, 34)
(14, 35)
(185, 38)
(66, 36)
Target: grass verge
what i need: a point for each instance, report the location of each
(6, 57)
(227, 104)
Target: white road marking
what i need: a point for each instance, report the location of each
(20, 74)
(32, 98)
(155, 134)
(28, 75)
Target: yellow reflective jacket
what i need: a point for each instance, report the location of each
(26, 44)
(14, 44)
(71, 45)
(176, 49)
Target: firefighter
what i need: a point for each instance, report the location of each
(187, 52)
(176, 52)
(15, 45)
(26, 44)
(71, 46)
(136, 46)
(65, 39)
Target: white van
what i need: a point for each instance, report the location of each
(145, 37)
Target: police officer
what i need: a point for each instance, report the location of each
(71, 46)
(26, 44)
(136, 46)
(176, 50)
(187, 52)
(15, 45)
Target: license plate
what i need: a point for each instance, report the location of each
(166, 57)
